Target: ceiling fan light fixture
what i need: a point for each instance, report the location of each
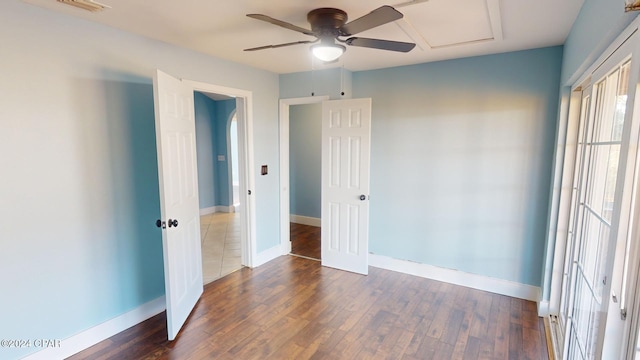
(327, 51)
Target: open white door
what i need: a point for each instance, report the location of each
(346, 135)
(177, 173)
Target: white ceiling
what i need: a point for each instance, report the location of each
(442, 29)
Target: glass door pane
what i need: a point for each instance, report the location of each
(592, 221)
(575, 200)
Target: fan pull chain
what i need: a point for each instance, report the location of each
(313, 77)
(342, 79)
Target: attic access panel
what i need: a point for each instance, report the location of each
(446, 23)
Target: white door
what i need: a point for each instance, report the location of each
(177, 173)
(346, 134)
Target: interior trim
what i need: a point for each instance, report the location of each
(87, 338)
(305, 220)
(474, 281)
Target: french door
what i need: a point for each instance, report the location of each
(599, 152)
(601, 205)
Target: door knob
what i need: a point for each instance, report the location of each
(363, 197)
(161, 224)
(173, 223)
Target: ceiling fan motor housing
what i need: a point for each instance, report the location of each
(327, 21)
(329, 24)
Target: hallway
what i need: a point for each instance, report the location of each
(220, 233)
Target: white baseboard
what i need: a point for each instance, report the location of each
(98, 333)
(544, 309)
(285, 247)
(305, 220)
(207, 211)
(267, 255)
(474, 281)
(217, 209)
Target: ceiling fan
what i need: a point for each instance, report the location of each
(329, 25)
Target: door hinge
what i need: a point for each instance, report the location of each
(623, 314)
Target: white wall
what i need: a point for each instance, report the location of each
(79, 189)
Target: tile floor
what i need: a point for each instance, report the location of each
(220, 234)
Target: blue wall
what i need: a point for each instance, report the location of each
(598, 24)
(305, 155)
(461, 161)
(331, 82)
(79, 200)
(212, 121)
(224, 111)
(205, 143)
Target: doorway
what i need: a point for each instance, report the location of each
(217, 158)
(345, 172)
(179, 196)
(305, 170)
(302, 229)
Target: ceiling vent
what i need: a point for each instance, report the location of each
(88, 5)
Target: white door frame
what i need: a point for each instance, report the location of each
(285, 234)
(245, 165)
(230, 158)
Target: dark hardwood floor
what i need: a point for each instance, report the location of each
(305, 240)
(293, 308)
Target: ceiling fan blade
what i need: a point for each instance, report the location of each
(380, 16)
(280, 45)
(281, 23)
(380, 44)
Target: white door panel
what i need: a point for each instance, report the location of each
(177, 172)
(346, 133)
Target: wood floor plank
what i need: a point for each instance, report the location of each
(453, 327)
(442, 308)
(305, 240)
(531, 343)
(461, 342)
(516, 310)
(515, 341)
(472, 350)
(293, 308)
(487, 346)
(399, 346)
(418, 335)
(480, 322)
(501, 340)
(444, 351)
(427, 348)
